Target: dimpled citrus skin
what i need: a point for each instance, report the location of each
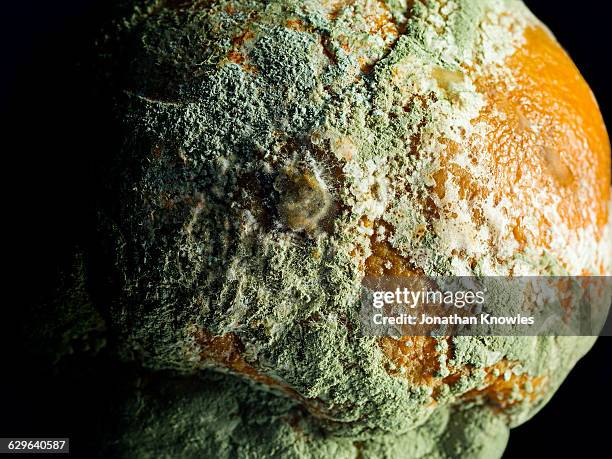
(276, 153)
(551, 110)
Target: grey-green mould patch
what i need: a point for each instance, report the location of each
(259, 138)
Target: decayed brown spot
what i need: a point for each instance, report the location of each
(304, 198)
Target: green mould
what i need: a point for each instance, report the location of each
(274, 153)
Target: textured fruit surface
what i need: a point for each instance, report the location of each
(277, 153)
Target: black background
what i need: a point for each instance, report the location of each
(51, 133)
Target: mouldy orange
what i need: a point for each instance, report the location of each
(278, 152)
